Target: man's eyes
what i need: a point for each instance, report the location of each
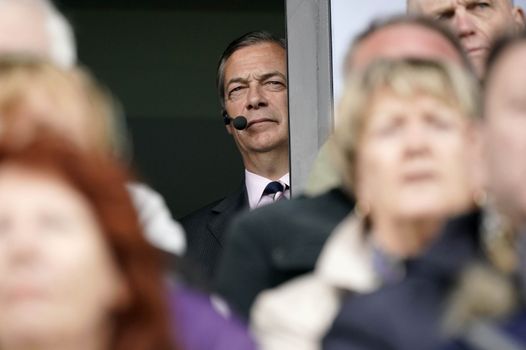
(275, 84)
(480, 5)
(444, 16)
(272, 85)
(474, 6)
(235, 91)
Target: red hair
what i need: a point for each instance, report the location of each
(143, 323)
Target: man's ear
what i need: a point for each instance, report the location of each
(227, 121)
(518, 17)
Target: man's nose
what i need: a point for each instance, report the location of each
(463, 23)
(256, 97)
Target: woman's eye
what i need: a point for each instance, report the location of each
(438, 122)
(53, 223)
(387, 129)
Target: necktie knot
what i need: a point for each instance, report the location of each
(273, 187)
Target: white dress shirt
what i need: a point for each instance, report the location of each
(256, 185)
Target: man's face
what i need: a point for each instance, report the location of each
(419, 42)
(256, 88)
(505, 133)
(476, 23)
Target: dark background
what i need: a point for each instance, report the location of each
(159, 59)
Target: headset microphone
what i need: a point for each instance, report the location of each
(239, 122)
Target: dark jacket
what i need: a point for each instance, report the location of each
(408, 315)
(273, 244)
(205, 231)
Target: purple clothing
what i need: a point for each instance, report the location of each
(198, 326)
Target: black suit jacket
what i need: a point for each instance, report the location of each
(275, 243)
(205, 231)
(408, 315)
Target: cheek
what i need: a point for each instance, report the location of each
(82, 289)
(506, 152)
(283, 104)
(453, 156)
(376, 168)
(87, 287)
(233, 109)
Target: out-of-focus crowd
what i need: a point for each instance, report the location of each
(410, 234)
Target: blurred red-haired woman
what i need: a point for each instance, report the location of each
(75, 270)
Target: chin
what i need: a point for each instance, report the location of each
(31, 320)
(268, 145)
(422, 209)
(420, 214)
(26, 333)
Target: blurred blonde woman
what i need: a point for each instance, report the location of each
(404, 139)
(75, 269)
(35, 92)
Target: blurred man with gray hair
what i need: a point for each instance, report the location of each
(476, 23)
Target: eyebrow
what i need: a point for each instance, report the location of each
(440, 7)
(447, 7)
(262, 77)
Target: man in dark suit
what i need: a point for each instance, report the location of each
(252, 83)
(271, 245)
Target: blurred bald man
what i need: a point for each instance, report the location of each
(476, 23)
(36, 27)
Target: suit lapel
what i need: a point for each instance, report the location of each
(224, 212)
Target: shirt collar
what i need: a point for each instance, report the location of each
(346, 260)
(256, 185)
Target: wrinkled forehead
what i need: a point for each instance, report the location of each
(432, 6)
(404, 41)
(256, 58)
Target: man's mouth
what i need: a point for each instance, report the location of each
(259, 121)
(475, 50)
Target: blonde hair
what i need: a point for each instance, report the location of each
(405, 78)
(21, 76)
